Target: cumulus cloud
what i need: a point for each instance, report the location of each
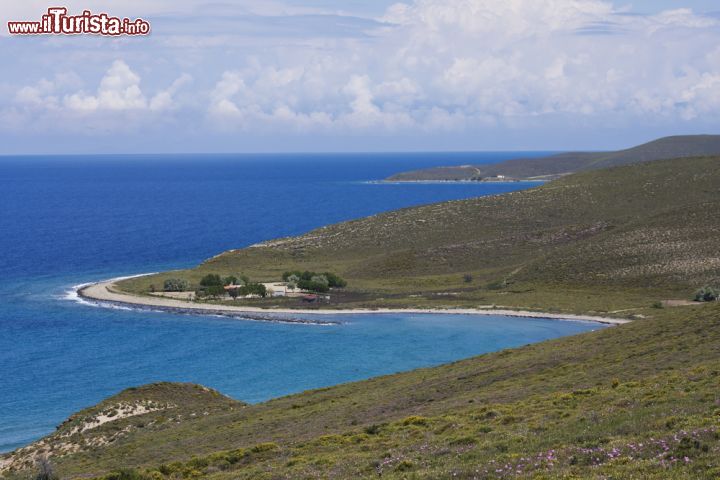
(465, 62)
(164, 99)
(44, 93)
(119, 90)
(428, 66)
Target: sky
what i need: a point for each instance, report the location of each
(362, 75)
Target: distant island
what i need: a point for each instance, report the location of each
(555, 166)
(635, 242)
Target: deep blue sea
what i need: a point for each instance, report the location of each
(71, 220)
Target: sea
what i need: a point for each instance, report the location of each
(69, 220)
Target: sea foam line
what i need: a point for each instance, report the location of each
(73, 294)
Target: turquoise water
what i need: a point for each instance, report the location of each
(66, 221)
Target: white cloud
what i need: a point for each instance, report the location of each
(435, 66)
(119, 90)
(164, 99)
(44, 93)
(465, 62)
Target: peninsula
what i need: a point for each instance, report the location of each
(586, 244)
(555, 166)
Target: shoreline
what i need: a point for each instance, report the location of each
(103, 292)
(465, 182)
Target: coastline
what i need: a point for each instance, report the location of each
(464, 182)
(103, 292)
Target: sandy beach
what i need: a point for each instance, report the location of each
(106, 291)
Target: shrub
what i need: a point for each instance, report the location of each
(45, 470)
(264, 447)
(415, 420)
(464, 440)
(467, 278)
(230, 280)
(372, 429)
(175, 285)
(404, 466)
(497, 285)
(126, 474)
(211, 280)
(707, 294)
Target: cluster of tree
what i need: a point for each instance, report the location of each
(175, 285)
(213, 285)
(313, 281)
(233, 280)
(250, 288)
(707, 294)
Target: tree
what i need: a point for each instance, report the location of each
(260, 289)
(216, 291)
(253, 289)
(292, 280)
(334, 281)
(321, 279)
(313, 286)
(175, 285)
(233, 292)
(286, 276)
(467, 278)
(211, 280)
(230, 280)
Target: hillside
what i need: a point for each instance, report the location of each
(634, 401)
(622, 231)
(149, 407)
(564, 163)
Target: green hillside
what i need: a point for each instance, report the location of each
(635, 401)
(606, 236)
(564, 163)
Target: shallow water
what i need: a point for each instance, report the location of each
(66, 221)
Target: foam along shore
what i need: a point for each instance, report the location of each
(107, 292)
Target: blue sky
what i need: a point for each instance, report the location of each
(323, 75)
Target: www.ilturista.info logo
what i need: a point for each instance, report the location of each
(58, 22)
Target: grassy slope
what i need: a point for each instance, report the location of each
(663, 148)
(653, 379)
(163, 404)
(586, 242)
(638, 232)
